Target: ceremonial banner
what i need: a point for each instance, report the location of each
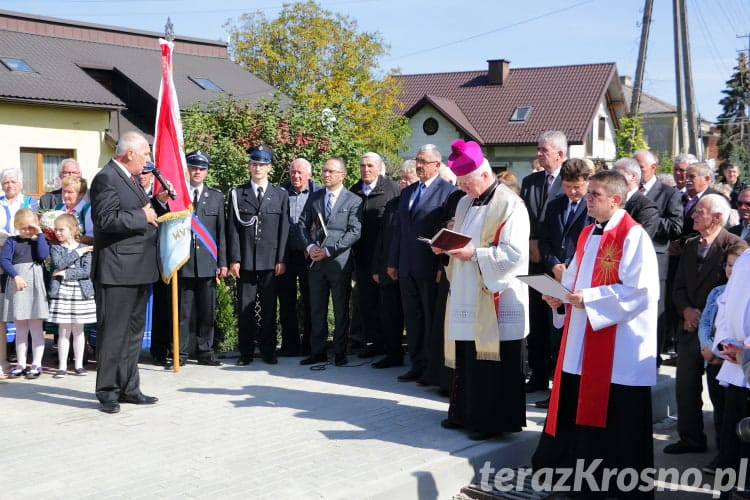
(169, 157)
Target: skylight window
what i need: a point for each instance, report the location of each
(16, 64)
(206, 84)
(520, 114)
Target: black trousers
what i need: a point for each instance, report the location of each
(161, 321)
(688, 389)
(120, 319)
(539, 339)
(626, 441)
(391, 334)
(296, 273)
(197, 313)
(418, 298)
(337, 285)
(368, 295)
(737, 407)
(257, 314)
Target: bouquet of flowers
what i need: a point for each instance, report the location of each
(47, 223)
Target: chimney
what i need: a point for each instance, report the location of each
(626, 80)
(498, 71)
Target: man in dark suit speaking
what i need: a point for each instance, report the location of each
(124, 265)
(331, 256)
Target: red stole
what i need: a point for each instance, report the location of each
(598, 346)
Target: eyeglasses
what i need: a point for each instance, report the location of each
(255, 165)
(331, 172)
(422, 162)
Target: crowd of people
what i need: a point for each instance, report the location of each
(644, 259)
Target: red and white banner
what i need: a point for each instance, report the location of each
(169, 158)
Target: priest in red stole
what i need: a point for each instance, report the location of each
(600, 406)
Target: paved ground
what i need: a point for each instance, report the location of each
(282, 432)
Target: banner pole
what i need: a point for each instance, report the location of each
(175, 326)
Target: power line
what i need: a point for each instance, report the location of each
(502, 28)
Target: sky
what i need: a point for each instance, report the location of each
(427, 36)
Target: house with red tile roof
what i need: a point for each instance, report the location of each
(505, 110)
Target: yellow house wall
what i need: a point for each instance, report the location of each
(50, 127)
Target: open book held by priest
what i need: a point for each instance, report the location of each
(445, 239)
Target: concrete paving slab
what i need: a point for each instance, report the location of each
(260, 431)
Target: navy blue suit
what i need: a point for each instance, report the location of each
(557, 243)
(417, 265)
(197, 281)
(540, 317)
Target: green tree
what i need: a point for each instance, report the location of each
(734, 140)
(320, 58)
(630, 136)
(226, 128)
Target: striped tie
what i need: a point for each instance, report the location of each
(329, 205)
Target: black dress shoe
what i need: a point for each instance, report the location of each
(544, 404)
(340, 359)
(534, 385)
(160, 361)
(410, 376)
(369, 352)
(170, 363)
(270, 359)
(140, 399)
(110, 407)
(315, 358)
(387, 362)
(208, 361)
(450, 424)
(681, 447)
(244, 360)
(480, 436)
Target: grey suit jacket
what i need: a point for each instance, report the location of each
(344, 228)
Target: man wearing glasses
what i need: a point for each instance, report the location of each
(743, 209)
(257, 231)
(330, 225)
(68, 167)
(421, 212)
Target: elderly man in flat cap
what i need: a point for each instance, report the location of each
(257, 232)
(207, 261)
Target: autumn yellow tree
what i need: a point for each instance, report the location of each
(321, 59)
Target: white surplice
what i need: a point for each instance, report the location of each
(631, 305)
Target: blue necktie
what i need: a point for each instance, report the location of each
(329, 205)
(414, 202)
(571, 210)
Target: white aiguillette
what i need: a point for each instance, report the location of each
(546, 285)
(445, 239)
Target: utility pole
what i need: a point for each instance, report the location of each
(635, 102)
(677, 14)
(694, 146)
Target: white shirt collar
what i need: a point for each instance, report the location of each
(256, 186)
(650, 184)
(336, 192)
